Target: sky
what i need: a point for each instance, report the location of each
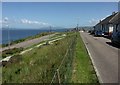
(60, 0)
(56, 14)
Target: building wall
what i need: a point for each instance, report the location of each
(110, 28)
(116, 28)
(104, 27)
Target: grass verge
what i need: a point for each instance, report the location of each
(83, 71)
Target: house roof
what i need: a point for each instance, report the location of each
(115, 19)
(107, 19)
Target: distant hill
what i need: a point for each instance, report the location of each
(86, 27)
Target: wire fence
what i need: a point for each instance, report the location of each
(64, 71)
(50, 63)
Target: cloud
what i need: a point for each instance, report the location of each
(4, 20)
(93, 22)
(26, 21)
(23, 23)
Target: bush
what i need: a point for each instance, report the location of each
(9, 52)
(13, 59)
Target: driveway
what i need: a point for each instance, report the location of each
(104, 56)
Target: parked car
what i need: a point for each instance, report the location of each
(99, 33)
(116, 38)
(91, 32)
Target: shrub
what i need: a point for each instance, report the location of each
(9, 52)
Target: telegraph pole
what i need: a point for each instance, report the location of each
(49, 36)
(8, 37)
(77, 23)
(6, 20)
(49, 32)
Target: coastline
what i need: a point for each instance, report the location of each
(28, 35)
(26, 39)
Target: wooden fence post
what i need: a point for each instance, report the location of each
(58, 74)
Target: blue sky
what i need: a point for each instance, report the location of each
(57, 14)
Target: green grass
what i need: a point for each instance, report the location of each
(83, 71)
(10, 52)
(56, 36)
(38, 65)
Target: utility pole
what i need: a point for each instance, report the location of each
(8, 37)
(6, 21)
(49, 36)
(77, 23)
(49, 32)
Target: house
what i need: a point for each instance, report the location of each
(97, 27)
(116, 28)
(116, 22)
(105, 26)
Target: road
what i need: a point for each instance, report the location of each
(104, 56)
(28, 43)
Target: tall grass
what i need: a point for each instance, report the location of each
(40, 64)
(83, 71)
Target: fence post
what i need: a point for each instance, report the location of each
(58, 74)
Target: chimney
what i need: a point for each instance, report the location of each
(113, 13)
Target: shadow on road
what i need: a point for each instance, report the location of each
(107, 37)
(114, 45)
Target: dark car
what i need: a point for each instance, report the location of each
(116, 38)
(99, 33)
(91, 32)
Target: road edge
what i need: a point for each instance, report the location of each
(96, 71)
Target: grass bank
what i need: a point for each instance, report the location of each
(40, 64)
(10, 52)
(83, 71)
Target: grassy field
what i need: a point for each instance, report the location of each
(38, 65)
(10, 52)
(41, 64)
(83, 71)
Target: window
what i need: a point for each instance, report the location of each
(116, 27)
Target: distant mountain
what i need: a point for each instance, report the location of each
(44, 28)
(86, 27)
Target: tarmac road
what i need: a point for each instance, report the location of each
(28, 43)
(104, 56)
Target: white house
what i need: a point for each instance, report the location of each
(116, 22)
(105, 26)
(116, 30)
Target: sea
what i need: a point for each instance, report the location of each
(16, 34)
